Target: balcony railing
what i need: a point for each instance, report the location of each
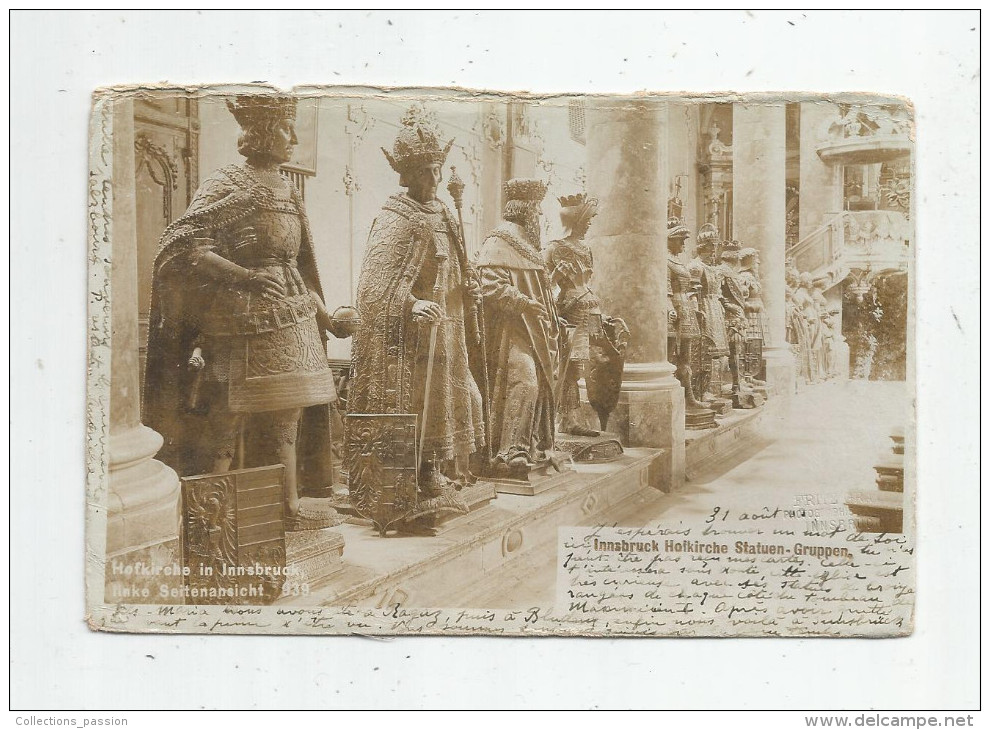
(878, 239)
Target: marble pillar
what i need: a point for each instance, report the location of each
(627, 172)
(759, 169)
(820, 184)
(143, 507)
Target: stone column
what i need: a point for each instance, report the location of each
(143, 509)
(627, 172)
(759, 181)
(820, 184)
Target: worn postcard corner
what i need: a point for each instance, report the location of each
(438, 361)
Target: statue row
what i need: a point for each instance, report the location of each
(716, 324)
(810, 326)
(458, 366)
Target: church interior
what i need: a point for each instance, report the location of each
(811, 198)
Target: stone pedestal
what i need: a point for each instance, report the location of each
(143, 501)
(759, 180)
(627, 172)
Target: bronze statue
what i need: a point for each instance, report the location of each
(714, 345)
(796, 328)
(236, 343)
(758, 329)
(523, 335)
(683, 323)
(417, 300)
(735, 294)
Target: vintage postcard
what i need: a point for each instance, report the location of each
(430, 361)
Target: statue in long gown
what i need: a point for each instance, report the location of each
(523, 335)
(418, 304)
(236, 342)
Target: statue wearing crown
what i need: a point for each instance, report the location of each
(595, 343)
(714, 345)
(735, 292)
(417, 300)
(236, 346)
(523, 336)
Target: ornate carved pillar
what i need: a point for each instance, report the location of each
(143, 505)
(627, 172)
(759, 169)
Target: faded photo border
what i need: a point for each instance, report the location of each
(99, 258)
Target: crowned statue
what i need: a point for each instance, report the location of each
(418, 301)
(826, 356)
(523, 335)
(237, 360)
(796, 330)
(809, 308)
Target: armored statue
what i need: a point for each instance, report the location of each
(714, 345)
(735, 292)
(827, 355)
(236, 342)
(805, 303)
(758, 329)
(523, 335)
(417, 302)
(683, 323)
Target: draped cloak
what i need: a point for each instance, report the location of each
(186, 307)
(414, 251)
(521, 394)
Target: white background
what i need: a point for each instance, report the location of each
(58, 59)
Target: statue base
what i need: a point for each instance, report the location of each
(311, 557)
(747, 399)
(533, 481)
(699, 418)
(475, 496)
(598, 449)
